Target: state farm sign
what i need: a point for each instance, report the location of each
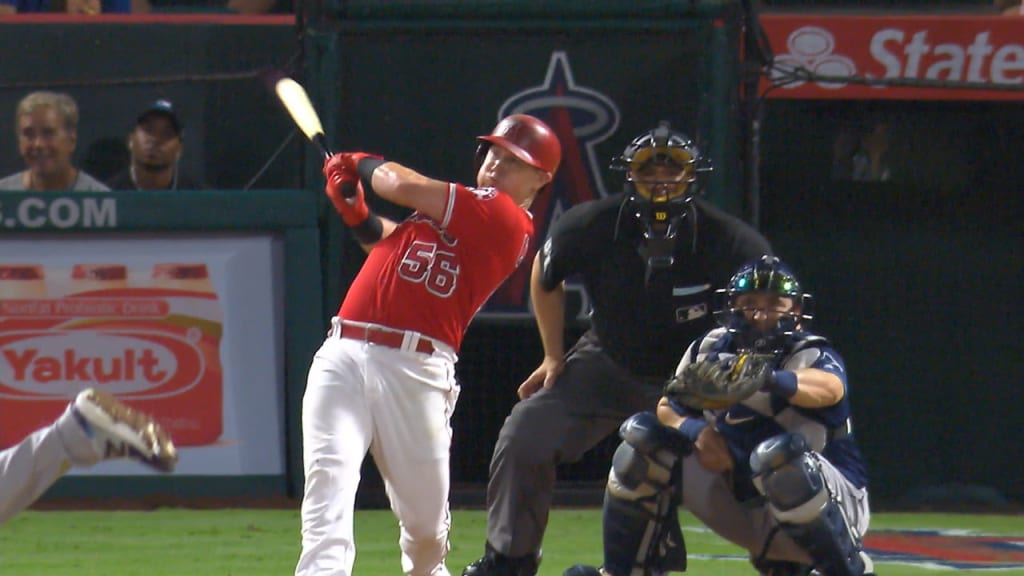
(976, 49)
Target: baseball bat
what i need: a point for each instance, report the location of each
(296, 101)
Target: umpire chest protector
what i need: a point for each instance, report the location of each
(644, 320)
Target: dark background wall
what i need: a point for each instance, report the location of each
(918, 279)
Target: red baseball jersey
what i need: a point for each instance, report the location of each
(433, 277)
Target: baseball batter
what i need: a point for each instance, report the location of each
(777, 472)
(95, 427)
(384, 379)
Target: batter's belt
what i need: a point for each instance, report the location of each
(381, 336)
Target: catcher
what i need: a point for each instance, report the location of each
(754, 432)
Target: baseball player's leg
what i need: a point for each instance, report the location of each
(640, 519)
(94, 427)
(708, 496)
(806, 496)
(30, 467)
(419, 498)
(336, 430)
(412, 443)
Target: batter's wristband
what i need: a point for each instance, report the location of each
(365, 167)
(691, 428)
(783, 383)
(369, 230)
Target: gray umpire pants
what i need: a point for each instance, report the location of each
(588, 401)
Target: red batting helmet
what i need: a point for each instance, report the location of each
(531, 140)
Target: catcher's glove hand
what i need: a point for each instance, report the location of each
(714, 384)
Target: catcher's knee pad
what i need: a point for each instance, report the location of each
(790, 478)
(644, 432)
(640, 520)
(643, 464)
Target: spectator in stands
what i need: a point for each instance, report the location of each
(47, 128)
(862, 157)
(155, 145)
(68, 6)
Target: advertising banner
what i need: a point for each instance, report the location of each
(987, 52)
(187, 330)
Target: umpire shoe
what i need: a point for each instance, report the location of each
(118, 431)
(495, 563)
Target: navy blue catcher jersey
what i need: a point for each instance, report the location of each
(744, 425)
(642, 322)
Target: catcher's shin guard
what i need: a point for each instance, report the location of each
(639, 521)
(790, 478)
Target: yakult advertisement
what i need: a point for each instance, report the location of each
(184, 329)
(981, 50)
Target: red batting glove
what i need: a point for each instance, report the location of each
(344, 189)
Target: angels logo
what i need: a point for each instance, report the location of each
(582, 118)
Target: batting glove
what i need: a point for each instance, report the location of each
(344, 188)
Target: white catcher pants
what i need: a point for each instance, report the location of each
(397, 405)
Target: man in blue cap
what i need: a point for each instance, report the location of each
(156, 144)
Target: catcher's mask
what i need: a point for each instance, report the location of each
(766, 275)
(661, 168)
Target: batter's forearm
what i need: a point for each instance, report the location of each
(407, 187)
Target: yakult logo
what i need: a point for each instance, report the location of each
(811, 48)
(55, 365)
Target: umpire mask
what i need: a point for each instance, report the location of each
(661, 168)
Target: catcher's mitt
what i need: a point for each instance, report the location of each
(714, 384)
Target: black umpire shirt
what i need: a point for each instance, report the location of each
(646, 326)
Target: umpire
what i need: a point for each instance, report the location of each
(650, 259)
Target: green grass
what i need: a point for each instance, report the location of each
(176, 542)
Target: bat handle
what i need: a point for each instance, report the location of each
(348, 189)
(321, 144)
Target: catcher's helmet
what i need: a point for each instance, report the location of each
(531, 140)
(767, 275)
